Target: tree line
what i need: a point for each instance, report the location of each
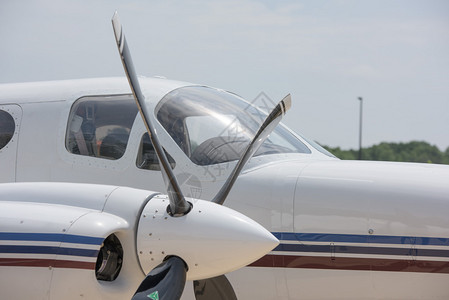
(414, 151)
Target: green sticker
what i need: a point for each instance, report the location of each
(154, 296)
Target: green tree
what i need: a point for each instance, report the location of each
(446, 156)
(414, 151)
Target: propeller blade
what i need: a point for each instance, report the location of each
(220, 226)
(217, 288)
(178, 205)
(166, 281)
(262, 134)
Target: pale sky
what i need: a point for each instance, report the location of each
(394, 54)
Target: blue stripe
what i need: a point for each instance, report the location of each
(361, 250)
(359, 238)
(51, 237)
(47, 250)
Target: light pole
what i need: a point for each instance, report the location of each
(360, 128)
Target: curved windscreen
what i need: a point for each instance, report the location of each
(212, 126)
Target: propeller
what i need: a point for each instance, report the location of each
(178, 205)
(167, 280)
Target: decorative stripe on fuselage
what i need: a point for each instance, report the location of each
(51, 237)
(359, 238)
(296, 250)
(358, 252)
(46, 263)
(53, 250)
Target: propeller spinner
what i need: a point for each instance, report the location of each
(194, 240)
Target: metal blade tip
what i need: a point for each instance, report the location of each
(287, 101)
(117, 26)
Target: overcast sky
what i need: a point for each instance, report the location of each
(394, 54)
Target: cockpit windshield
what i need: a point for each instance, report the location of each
(213, 126)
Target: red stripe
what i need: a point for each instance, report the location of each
(352, 263)
(46, 263)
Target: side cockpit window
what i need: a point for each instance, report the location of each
(99, 126)
(147, 157)
(7, 127)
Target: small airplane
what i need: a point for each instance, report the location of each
(77, 220)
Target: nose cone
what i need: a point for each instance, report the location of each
(211, 239)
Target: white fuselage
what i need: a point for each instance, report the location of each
(348, 230)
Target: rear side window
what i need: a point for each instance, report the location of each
(99, 126)
(7, 126)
